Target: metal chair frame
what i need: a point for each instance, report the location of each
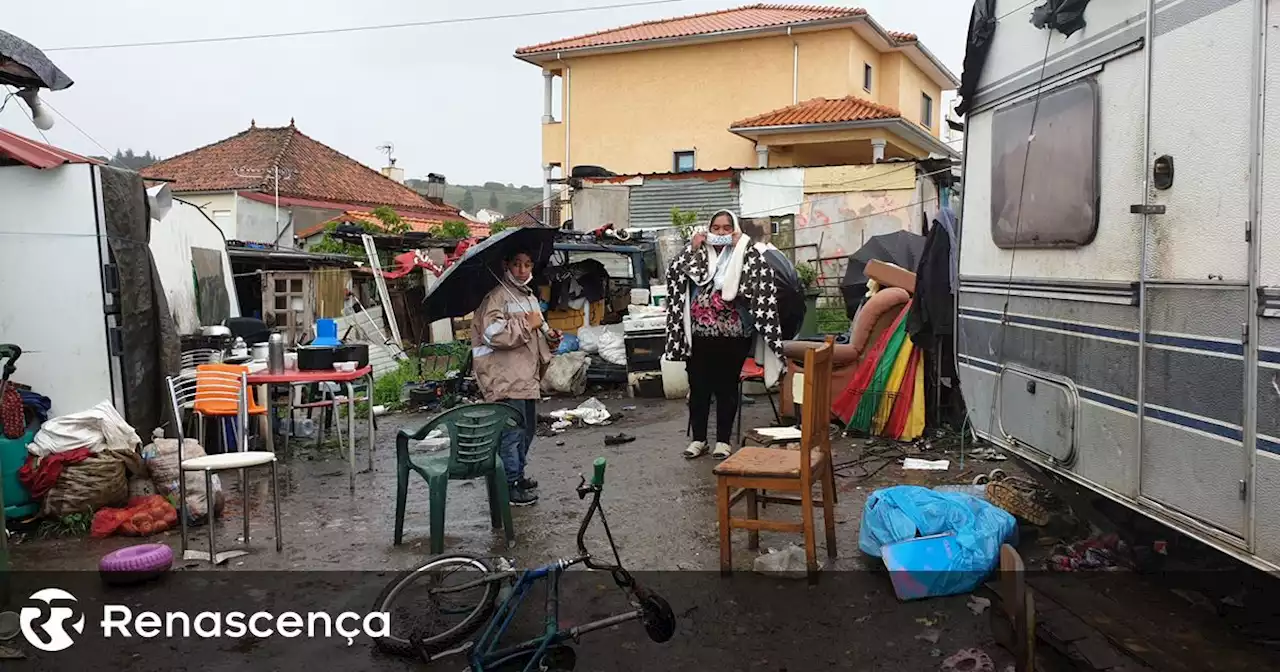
(185, 391)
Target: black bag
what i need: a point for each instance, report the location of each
(791, 307)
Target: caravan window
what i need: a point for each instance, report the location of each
(1054, 201)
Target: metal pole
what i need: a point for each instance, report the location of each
(275, 172)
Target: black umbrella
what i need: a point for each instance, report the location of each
(26, 67)
(464, 285)
(901, 248)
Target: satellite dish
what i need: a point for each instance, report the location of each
(160, 200)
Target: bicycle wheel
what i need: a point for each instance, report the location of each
(423, 621)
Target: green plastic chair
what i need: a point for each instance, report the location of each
(475, 432)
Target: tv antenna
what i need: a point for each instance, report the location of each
(388, 148)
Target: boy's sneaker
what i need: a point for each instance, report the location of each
(522, 497)
(527, 484)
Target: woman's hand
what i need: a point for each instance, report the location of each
(554, 337)
(697, 240)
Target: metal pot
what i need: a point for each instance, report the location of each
(315, 358)
(216, 330)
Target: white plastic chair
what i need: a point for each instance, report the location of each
(219, 388)
(193, 358)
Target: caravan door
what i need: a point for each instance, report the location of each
(1193, 459)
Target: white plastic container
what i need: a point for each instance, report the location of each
(675, 380)
(639, 297)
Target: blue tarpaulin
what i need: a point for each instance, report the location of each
(935, 543)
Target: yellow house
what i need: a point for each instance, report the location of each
(752, 87)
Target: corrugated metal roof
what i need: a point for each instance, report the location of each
(651, 203)
(36, 154)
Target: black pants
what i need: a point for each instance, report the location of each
(713, 370)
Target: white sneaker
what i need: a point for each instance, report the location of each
(695, 449)
(722, 451)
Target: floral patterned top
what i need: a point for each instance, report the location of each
(711, 315)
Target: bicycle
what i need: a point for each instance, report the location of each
(502, 589)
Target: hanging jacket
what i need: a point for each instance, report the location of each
(932, 312)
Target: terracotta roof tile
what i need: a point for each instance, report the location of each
(309, 169)
(725, 20)
(418, 222)
(820, 111)
(904, 37)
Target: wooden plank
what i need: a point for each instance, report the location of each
(772, 525)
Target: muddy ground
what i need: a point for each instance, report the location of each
(338, 555)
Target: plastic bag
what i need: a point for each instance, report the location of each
(567, 374)
(788, 563)
(613, 345)
(161, 456)
(974, 530)
(141, 517)
(589, 339)
(567, 344)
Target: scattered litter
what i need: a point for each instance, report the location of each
(1161, 547)
(987, 453)
(916, 463)
(434, 442)
(590, 412)
(561, 425)
(935, 653)
(780, 434)
(628, 408)
(930, 636)
(927, 622)
(788, 563)
(978, 605)
(618, 439)
(933, 543)
(969, 660)
(862, 619)
(1106, 552)
(560, 443)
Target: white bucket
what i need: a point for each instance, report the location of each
(639, 297)
(675, 381)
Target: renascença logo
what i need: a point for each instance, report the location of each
(45, 625)
(48, 623)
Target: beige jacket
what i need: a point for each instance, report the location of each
(508, 357)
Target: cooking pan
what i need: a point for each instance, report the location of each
(316, 358)
(353, 352)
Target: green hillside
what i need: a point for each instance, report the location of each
(505, 198)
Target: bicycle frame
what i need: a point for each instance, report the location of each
(483, 654)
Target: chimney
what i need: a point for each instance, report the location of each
(435, 187)
(394, 173)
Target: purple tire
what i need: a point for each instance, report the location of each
(136, 563)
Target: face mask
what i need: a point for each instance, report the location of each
(512, 279)
(720, 239)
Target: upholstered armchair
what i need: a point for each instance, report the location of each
(876, 315)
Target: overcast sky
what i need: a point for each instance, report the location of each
(451, 98)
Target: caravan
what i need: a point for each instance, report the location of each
(1119, 299)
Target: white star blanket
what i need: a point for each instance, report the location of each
(757, 287)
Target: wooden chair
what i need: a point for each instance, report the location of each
(752, 470)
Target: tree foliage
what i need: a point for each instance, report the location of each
(468, 202)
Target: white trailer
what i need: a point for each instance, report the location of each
(1119, 301)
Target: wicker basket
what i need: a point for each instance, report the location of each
(1025, 499)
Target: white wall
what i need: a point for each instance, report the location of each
(51, 271)
(771, 192)
(214, 205)
(256, 223)
(183, 228)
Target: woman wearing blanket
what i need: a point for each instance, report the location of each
(722, 308)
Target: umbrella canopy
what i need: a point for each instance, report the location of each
(26, 67)
(464, 285)
(901, 248)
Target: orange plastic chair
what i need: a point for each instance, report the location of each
(216, 390)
